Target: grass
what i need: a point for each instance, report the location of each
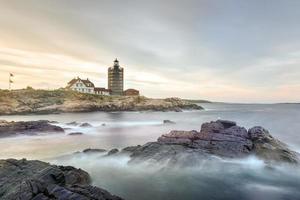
(31, 100)
(59, 96)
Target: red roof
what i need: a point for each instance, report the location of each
(131, 90)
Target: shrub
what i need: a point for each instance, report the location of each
(29, 88)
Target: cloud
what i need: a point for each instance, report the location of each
(246, 51)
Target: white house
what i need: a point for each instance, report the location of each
(86, 86)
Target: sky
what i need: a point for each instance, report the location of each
(219, 50)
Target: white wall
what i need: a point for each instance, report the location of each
(102, 93)
(79, 86)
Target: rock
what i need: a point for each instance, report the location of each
(89, 150)
(112, 152)
(86, 125)
(177, 109)
(220, 138)
(269, 148)
(227, 123)
(36, 180)
(258, 133)
(229, 142)
(75, 133)
(166, 121)
(171, 154)
(130, 149)
(211, 127)
(178, 137)
(28, 128)
(73, 123)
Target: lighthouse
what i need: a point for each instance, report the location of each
(116, 79)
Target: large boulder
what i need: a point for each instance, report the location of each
(28, 128)
(171, 154)
(36, 180)
(223, 138)
(113, 152)
(89, 150)
(219, 138)
(73, 123)
(85, 125)
(267, 147)
(130, 149)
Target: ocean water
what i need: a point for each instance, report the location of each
(247, 178)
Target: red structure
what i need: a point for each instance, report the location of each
(131, 92)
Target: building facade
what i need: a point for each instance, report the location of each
(80, 85)
(101, 91)
(116, 79)
(131, 92)
(86, 86)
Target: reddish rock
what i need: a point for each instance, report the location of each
(221, 138)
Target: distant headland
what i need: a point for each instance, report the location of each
(31, 101)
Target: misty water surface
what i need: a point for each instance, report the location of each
(249, 178)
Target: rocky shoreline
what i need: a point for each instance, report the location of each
(219, 138)
(216, 140)
(36, 180)
(8, 129)
(29, 101)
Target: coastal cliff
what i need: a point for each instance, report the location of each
(30, 101)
